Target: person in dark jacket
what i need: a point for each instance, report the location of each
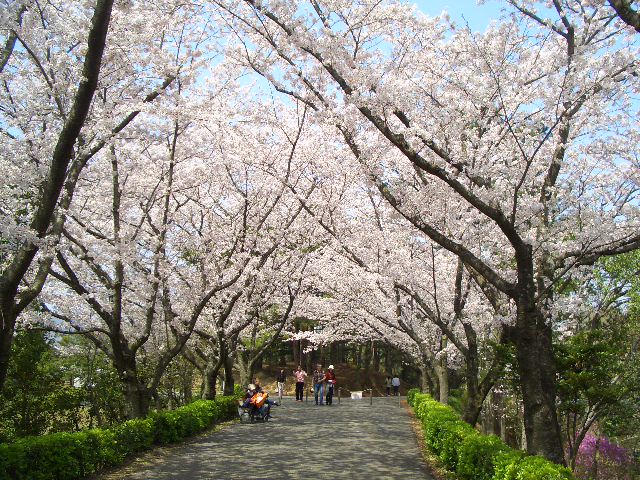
(330, 379)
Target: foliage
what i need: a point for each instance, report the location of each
(57, 385)
(473, 456)
(515, 466)
(34, 392)
(89, 368)
(589, 366)
(62, 456)
(238, 391)
(456, 399)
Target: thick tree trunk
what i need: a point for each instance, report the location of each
(537, 377)
(473, 399)
(210, 377)
(137, 397)
(532, 337)
(472, 407)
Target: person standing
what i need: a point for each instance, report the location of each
(395, 382)
(387, 384)
(300, 376)
(281, 379)
(318, 385)
(330, 379)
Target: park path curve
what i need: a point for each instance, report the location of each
(302, 440)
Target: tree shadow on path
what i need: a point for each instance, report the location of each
(349, 440)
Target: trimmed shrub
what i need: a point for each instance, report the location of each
(132, 436)
(477, 456)
(532, 468)
(463, 450)
(411, 393)
(453, 438)
(67, 456)
(506, 463)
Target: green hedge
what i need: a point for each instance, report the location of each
(411, 394)
(62, 456)
(472, 456)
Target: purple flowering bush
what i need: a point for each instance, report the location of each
(599, 459)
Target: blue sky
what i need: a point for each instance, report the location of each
(463, 11)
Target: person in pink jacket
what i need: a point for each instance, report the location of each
(300, 376)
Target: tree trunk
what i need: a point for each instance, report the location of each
(532, 337)
(6, 337)
(210, 377)
(137, 397)
(366, 358)
(358, 361)
(257, 364)
(296, 347)
(443, 383)
(473, 399)
(388, 360)
(426, 381)
(228, 375)
(209, 385)
(537, 377)
(442, 372)
(333, 353)
(187, 387)
(472, 407)
(497, 414)
(376, 357)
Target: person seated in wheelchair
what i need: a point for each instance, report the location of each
(257, 401)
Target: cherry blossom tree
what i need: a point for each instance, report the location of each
(55, 58)
(392, 283)
(265, 225)
(528, 127)
(18, 259)
(115, 268)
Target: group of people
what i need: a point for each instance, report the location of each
(323, 384)
(394, 383)
(323, 387)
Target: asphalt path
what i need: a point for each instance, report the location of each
(348, 440)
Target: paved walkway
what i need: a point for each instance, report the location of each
(350, 440)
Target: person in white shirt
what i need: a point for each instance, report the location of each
(395, 383)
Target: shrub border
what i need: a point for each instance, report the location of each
(69, 456)
(471, 455)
